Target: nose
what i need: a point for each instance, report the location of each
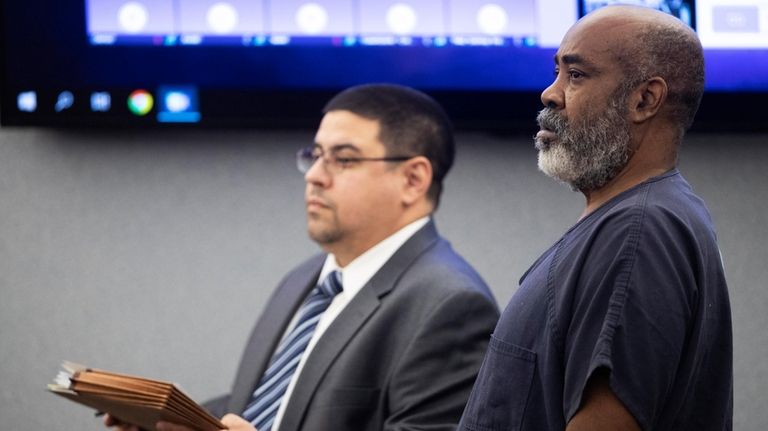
(317, 174)
(552, 96)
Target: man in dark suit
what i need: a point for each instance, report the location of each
(400, 346)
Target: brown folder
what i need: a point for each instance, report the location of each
(131, 399)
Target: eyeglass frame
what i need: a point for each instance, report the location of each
(305, 159)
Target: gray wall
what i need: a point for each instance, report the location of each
(153, 253)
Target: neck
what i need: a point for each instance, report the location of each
(597, 198)
(350, 250)
(651, 158)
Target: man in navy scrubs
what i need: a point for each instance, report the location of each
(624, 323)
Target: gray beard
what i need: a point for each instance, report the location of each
(589, 153)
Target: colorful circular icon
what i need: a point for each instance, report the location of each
(140, 102)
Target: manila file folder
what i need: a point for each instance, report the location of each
(131, 399)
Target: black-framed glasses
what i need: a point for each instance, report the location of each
(334, 163)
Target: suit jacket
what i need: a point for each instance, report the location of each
(403, 354)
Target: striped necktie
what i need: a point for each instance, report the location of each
(266, 399)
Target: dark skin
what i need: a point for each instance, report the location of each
(601, 409)
(587, 74)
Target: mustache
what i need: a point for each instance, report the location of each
(548, 119)
(317, 194)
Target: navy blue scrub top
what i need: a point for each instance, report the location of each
(636, 287)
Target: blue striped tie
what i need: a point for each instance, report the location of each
(269, 393)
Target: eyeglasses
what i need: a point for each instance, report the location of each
(333, 163)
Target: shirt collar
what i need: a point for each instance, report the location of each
(357, 273)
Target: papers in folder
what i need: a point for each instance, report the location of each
(131, 399)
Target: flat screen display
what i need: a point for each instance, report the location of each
(274, 62)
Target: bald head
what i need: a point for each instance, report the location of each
(647, 43)
(631, 15)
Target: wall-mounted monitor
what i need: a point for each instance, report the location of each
(274, 62)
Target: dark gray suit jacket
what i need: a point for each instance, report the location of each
(403, 355)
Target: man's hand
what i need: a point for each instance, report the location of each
(231, 421)
(236, 423)
(112, 421)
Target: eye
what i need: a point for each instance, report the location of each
(344, 161)
(575, 74)
(315, 154)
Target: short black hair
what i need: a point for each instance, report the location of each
(410, 123)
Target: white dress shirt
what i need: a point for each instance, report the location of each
(353, 277)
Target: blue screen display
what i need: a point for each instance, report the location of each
(236, 61)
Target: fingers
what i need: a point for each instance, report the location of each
(231, 421)
(168, 426)
(234, 422)
(111, 421)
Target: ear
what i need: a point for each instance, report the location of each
(647, 99)
(417, 176)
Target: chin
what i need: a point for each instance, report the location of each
(324, 235)
(548, 163)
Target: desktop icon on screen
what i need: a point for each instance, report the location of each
(27, 101)
(177, 104)
(65, 101)
(101, 101)
(140, 102)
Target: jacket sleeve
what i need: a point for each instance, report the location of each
(217, 406)
(432, 382)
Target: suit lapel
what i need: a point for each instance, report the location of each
(349, 322)
(325, 351)
(268, 332)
